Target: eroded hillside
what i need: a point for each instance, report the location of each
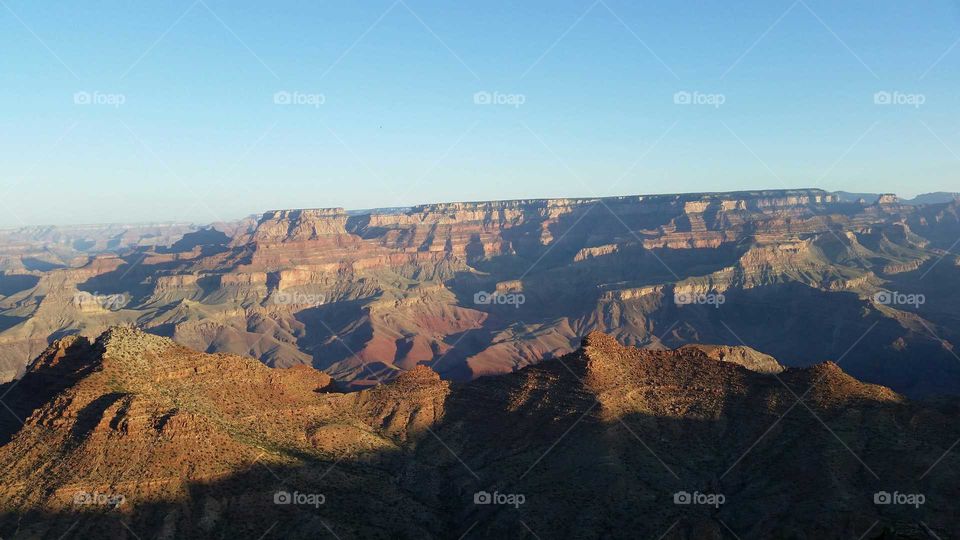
(134, 436)
(473, 289)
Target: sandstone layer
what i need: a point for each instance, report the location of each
(479, 288)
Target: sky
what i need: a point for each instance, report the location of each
(211, 110)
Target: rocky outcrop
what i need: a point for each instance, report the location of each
(134, 434)
(597, 251)
(740, 355)
(888, 198)
(901, 268)
(165, 283)
(300, 225)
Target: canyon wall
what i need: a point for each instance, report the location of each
(476, 288)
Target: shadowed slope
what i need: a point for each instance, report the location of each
(597, 443)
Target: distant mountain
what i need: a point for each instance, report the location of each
(133, 436)
(940, 197)
(390, 210)
(480, 288)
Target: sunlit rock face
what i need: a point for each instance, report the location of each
(479, 288)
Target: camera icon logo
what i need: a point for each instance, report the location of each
(882, 98)
(81, 98)
(482, 298)
(282, 98)
(682, 497)
(683, 98)
(482, 98)
(282, 497)
(882, 497)
(482, 497)
(883, 298)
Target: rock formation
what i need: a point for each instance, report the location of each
(479, 288)
(134, 436)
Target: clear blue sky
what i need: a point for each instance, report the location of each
(198, 135)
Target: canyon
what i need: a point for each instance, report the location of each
(483, 288)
